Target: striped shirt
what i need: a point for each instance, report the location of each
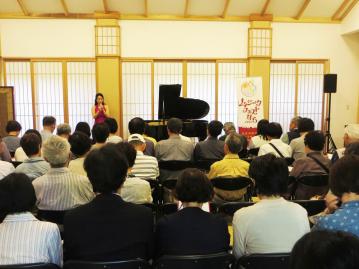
(60, 189)
(24, 239)
(145, 166)
(33, 167)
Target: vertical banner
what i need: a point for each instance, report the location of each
(249, 105)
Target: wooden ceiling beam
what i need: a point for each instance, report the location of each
(146, 8)
(186, 8)
(346, 12)
(302, 9)
(105, 6)
(340, 9)
(225, 9)
(23, 8)
(64, 6)
(265, 7)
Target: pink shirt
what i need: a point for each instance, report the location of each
(101, 115)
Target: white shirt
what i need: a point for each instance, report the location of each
(6, 168)
(114, 139)
(268, 226)
(60, 189)
(256, 142)
(20, 155)
(136, 190)
(145, 166)
(24, 239)
(77, 166)
(285, 149)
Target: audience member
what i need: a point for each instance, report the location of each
(325, 250)
(6, 168)
(83, 127)
(351, 135)
(352, 149)
(145, 166)
(230, 166)
(192, 231)
(60, 189)
(211, 148)
(275, 145)
(4, 152)
(113, 127)
(64, 130)
(228, 128)
(20, 154)
(100, 133)
(293, 131)
(12, 139)
(272, 225)
(343, 183)
(134, 189)
(48, 125)
(23, 238)
(80, 146)
(315, 163)
(137, 126)
(108, 228)
(261, 138)
(35, 166)
(305, 125)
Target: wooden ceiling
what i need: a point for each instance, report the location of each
(322, 11)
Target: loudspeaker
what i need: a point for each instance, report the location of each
(330, 83)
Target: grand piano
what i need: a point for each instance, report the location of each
(189, 110)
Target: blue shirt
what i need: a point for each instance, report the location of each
(345, 218)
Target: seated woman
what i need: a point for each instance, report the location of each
(273, 224)
(261, 137)
(191, 230)
(23, 238)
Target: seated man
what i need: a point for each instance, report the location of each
(59, 189)
(113, 127)
(343, 183)
(64, 130)
(35, 166)
(305, 125)
(351, 135)
(272, 225)
(275, 145)
(134, 190)
(315, 163)
(80, 146)
(12, 139)
(228, 128)
(137, 126)
(49, 126)
(145, 166)
(100, 133)
(293, 131)
(108, 228)
(230, 166)
(211, 148)
(20, 154)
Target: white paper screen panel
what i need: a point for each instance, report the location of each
(282, 93)
(136, 92)
(81, 79)
(49, 91)
(166, 73)
(201, 84)
(18, 75)
(228, 75)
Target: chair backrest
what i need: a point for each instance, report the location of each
(231, 184)
(262, 261)
(175, 165)
(231, 207)
(129, 264)
(51, 216)
(221, 260)
(315, 180)
(204, 165)
(253, 152)
(30, 266)
(168, 208)
(313, 207)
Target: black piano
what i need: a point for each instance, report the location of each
(189, 110)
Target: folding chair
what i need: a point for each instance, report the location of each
(30, 266)
(260, 261)
(127, 264)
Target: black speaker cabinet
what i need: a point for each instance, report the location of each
(330, 83)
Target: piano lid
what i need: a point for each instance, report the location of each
(170, 104)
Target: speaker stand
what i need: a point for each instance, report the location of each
(329, 142)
